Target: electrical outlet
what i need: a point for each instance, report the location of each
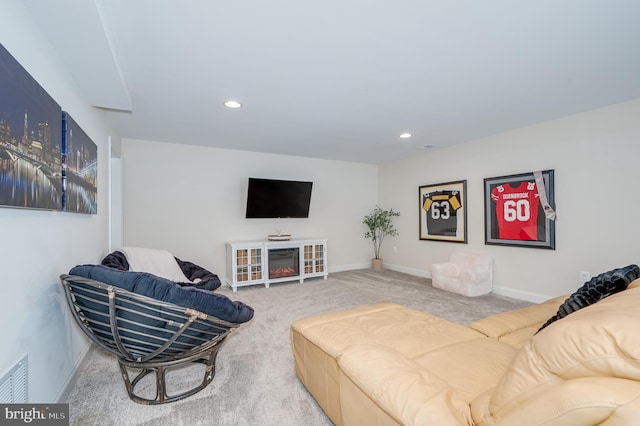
(585, 276)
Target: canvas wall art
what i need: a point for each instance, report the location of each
(30, 140)
(80, 168)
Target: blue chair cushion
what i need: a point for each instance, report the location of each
(158, 288)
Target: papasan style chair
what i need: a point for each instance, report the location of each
(152, 324)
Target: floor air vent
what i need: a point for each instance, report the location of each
(13, 386)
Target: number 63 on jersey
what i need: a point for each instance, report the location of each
(443, 211)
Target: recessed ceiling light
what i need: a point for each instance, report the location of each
(427, 146)
(405, 135)
(232, 104)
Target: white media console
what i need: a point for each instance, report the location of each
(266, 262)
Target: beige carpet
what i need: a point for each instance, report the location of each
(255, 383)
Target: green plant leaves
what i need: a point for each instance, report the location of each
(380, 224)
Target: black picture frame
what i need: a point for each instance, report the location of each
(512, 219)
(442, 211)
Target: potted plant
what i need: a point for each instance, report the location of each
(380, 224)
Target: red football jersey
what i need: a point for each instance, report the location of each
(517, 211)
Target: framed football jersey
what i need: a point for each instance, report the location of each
(443, 211)
(519, 210)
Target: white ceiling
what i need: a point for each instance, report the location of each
(341, 79)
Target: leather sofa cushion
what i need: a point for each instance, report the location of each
(406, 393)
(385, 324)
(319, 342)
(470, 367)
(603, 401)
(508, 322)
(584, 366)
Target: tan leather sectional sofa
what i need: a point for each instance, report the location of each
(385, 364)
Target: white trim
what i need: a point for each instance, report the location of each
(351, 267)
(519, 294)
(72, 379)
(410, 271)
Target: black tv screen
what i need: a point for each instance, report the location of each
(271, 198)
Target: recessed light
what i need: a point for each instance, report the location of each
(232, 104)
(427, 146)
(405, 135)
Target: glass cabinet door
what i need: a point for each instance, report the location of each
(248, 264)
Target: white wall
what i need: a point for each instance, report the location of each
(115, 199)
(595, 156)
(37, 246)
(191, 200)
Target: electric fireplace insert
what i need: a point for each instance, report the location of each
(284, 262)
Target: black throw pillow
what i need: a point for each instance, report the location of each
(597, 288)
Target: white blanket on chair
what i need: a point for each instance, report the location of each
(157, 262)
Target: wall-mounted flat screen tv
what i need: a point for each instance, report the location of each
(272, 198)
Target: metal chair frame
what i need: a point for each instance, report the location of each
(118, 321)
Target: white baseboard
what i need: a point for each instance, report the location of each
(63, 395)
(355, 266)
(502, 291)
(410, 271)
(519, 294)
(351, 267)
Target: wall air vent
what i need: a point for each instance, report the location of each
(13, 385)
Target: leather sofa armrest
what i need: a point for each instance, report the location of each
(381, 386)
(508, 322)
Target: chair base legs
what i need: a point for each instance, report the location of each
(160, 369)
